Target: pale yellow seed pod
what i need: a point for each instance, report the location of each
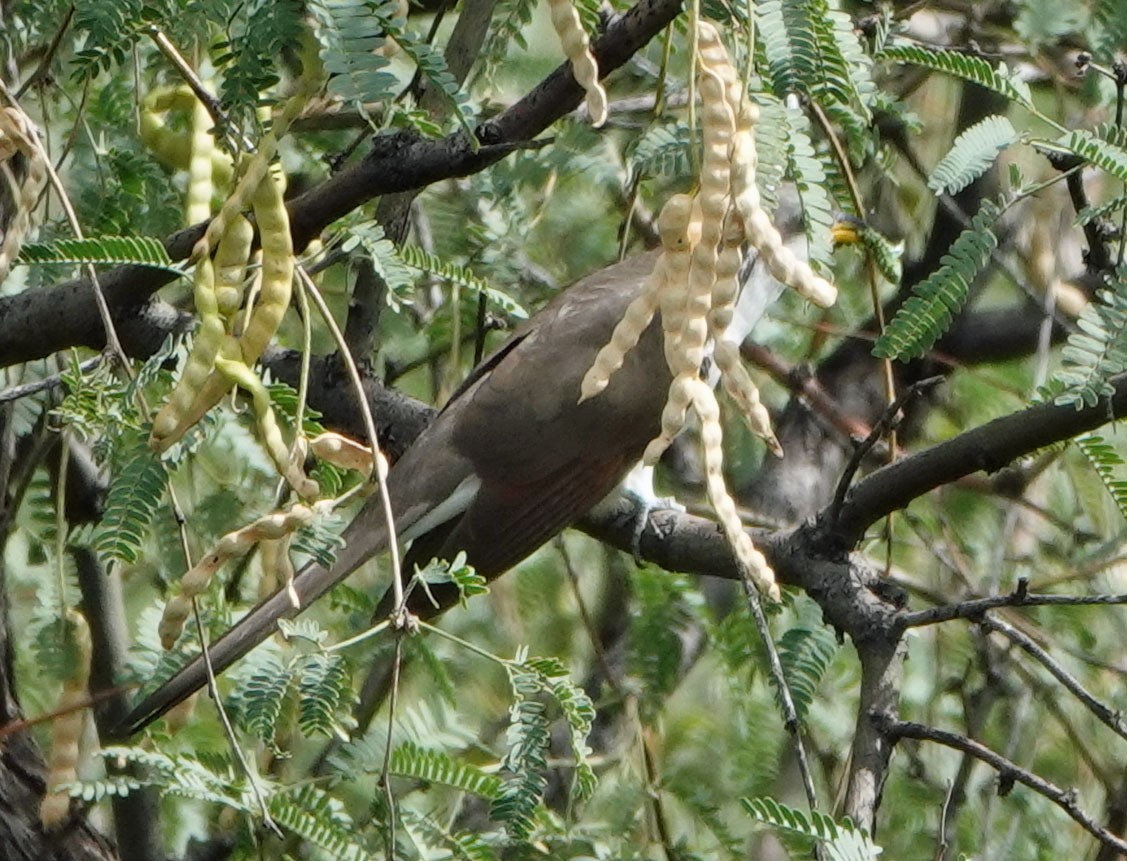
(704, 402)
(200, 184)
(171, 148)
(231, 257)
(343, 452)
(672, 418)
(273, 526)
(277, 270)
(66, 728)
(679, 224)
(269, 432)
(625, 336)
(761, 233)
(171, 624)
(784, 265)
(725, 291)
(170, 426)
(200, 362)
(739, 386)
(577, 48)
(277, 567)
(239, 198)
(17, 135)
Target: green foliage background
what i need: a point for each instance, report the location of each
(520, 744)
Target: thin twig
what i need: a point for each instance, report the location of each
(173, 55)
(1009, 772)
(1107, 716)
(48, 57)
(975, 608)
(790, 713)
(884, 424)
(229, 731)
(385, 778)
(379, 461)
(17, 392)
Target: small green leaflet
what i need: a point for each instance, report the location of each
(111, 250)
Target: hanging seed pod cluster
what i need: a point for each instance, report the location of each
(695, 285)
(222, 357)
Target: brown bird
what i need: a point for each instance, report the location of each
(509, 462)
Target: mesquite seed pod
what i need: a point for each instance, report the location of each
(577, 48)
(272, 526)
(17, 135)
(704, 402)
(66, 728)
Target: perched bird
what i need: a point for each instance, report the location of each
(509, 462)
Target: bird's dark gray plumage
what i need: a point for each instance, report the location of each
(509, 462)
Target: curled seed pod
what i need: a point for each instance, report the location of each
(17, 136)
(755, 564)
(200, 183)
(625, 336)
(172, 148)
(577, 48)
(230, 262)
(741, 389)
(269, 432)
(66, 729)
(277, 270)
(343, 452)
(273, 526)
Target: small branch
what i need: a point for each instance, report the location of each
(1008, 772)
(885, 424)
(17, 392)
(987, 447)
(173, 55)
(1107, 716)
(974, 609)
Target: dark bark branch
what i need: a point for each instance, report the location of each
(1008, 772)
(1107, 716)
(988, 447)
(975, 608)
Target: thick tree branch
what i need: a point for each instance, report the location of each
(988, 447)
